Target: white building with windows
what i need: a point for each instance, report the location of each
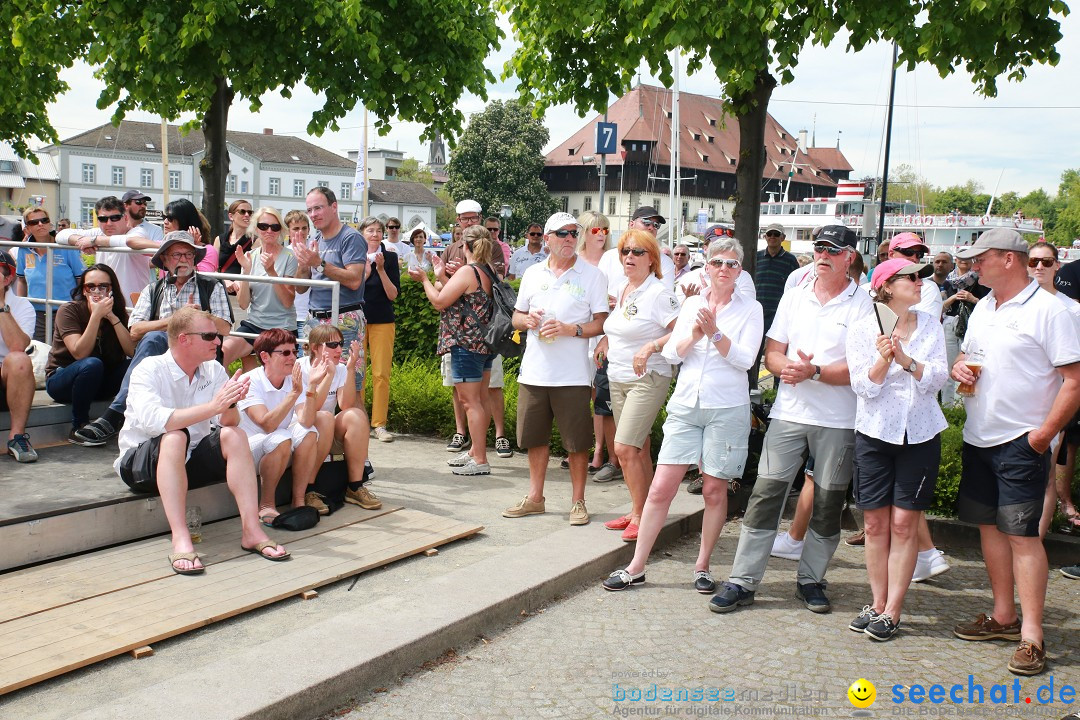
(23, 183)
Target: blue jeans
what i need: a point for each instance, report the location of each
(82, 382)
(153, 343)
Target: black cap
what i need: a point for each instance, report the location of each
(6, 259)
(648, 211)
(837, 235)
(135, 195)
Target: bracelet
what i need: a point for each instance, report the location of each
(232, 406)
(655, 346)
(117, 323)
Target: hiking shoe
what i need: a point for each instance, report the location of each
(618, 523)
(100, 431)
(863, 619)
(987, 628)
(315, 500)
(607, 473)
(362, 497)
(813, 596)
(630, 533)
(694, 488)
(382, 434)
(926, 568)
(730, 598)
(703, 582)
(1072, 572)
(784, 546)
(472, 468)
(620, 580)
(460, 461)
(856, 540)
(458, 443)
(580, 516)
(882, 628)
(75, 438)
(502, 448)
(20, 448)
(1029, 659)
(523, 508)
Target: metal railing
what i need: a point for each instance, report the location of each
(49, 301)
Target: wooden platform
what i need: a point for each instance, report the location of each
(68, 614)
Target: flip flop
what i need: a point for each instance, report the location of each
(190, 556)
(258, 550)
(266, 518)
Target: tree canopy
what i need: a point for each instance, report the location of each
(498, 160)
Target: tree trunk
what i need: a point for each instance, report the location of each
(752, 159)
(214, 167)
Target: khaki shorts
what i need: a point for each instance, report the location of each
(635, 406)
(538, 405)
(496, 373)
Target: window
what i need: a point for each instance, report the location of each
(230, 184)
(244, 187)
(656, 202)
(712, 211)
(146, 178)
(118, 175)
(298, 187)
(346, 191)
(564, 203)
(86, 212)
(322, 183)
(174, 179)
(7, 166)
(572, 150)
(89, 173)
(587, 203)
(611, 205)
(685, 210)
(275, 186)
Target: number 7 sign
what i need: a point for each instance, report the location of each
(606, 136)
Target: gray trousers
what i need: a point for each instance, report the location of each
(786, 444)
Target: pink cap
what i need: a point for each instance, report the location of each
(907, 240)
(898, 266)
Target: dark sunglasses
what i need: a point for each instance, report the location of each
(169, 218)
(393, 227)
(38, 221)
(638, 252)
(97, 287)
(773, 234)
(269, 226)
(535, 234)
(207, 336)
(245, 212)
(290, 352)
(650, 223)
(139, 201)
(494, 230)
(911, 253)
(826, 248)
(109, 218)
(678, 254)
(333, 344)
(1045, 262)
(564, 233)
(725, 262)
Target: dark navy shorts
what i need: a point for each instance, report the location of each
(602, 400)
(902, 476)
(1004, 486)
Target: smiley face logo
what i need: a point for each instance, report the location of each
(862, 693)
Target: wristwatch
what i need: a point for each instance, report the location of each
(578, 331)
(717, 336)
(321, 267)
(913, 366)
(817, 373)
(4, 309)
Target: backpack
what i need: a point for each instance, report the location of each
(500, 334)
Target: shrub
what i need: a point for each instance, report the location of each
(952, 446)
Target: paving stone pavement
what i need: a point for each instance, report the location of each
(774, 659)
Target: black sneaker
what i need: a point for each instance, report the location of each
(620, 580)
(77, 438)
(458, 443)
(99, 431)
(882, 628)
(730, 598)
(813, 594)
(863, 619)
(703, 582)
(502, 448)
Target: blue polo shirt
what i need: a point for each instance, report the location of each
(67, 266)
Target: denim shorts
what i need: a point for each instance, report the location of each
(467, 366)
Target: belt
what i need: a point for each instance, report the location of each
(322, 314)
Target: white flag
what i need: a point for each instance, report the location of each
(361, 163)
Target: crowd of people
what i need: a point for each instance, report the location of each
(863, 365)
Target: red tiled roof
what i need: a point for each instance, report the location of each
(828, 158)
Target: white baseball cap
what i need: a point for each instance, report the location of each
(558, 220)
(468, 206)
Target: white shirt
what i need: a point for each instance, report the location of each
(802, 323)
(132, 269)
(412, 261)
(808, 272)
(262, 392)
(1022, 341)
(1071, 305)
(611, 265)
(330, 403)
(641, 317)
(707, 379)
(158, 387)
(930, 301)
(744, 284)
(22, 310)
(523, 258)
(901, 404)
(574, 297)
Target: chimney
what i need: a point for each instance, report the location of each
(802, 141)
(268, 131)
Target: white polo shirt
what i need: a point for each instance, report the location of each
(575, 296)
(744, 284)
(1022, 341)
(262, 392)
(523, 258)
(330, 403)
(23, 311)
(158, 387)
(641, 317)
(707, 379)
(821, 330)
(611, 265)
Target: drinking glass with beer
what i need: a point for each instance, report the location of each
(974, 362)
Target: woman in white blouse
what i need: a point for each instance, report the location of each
(418, 257)
(896, 376)
(716, 338)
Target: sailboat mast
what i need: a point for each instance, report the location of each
(673, 169)
(888, 147)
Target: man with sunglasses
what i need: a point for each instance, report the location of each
(494, 228)
(529, 254)
(680, 255)
(17, 320)
(648, 219)
(815, 411)
(393, 237)
(180, 287)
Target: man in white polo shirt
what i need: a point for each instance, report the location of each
(562, 302)
(1026, 342)
(815, 410)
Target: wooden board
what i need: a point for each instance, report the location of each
(39, 645)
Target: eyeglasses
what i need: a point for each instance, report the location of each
(637, 252)
(109, 218)
(725, 262)
(600, 231)
(38, 221)
(826, 248)
(181, 256)
(275, 227)
(207, 336)
(1045, 262)
(911, 253)
(388, 227)
(97, 287)
(288, 352)
(564, 233)
(536, 234)
(773, 233)
(244, 212)
(468, 218)
(333, 344)
(649, 223)
(139, 201)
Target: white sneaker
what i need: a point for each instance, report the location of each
(472, 468)
(383, 435)
(787, 548)
(460, 460)
(930, 566)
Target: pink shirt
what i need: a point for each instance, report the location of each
(210, 262)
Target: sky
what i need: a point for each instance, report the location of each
(1021, 140)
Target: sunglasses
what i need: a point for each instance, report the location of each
(826, 248)
(389, 227)
(725, 262)
(564, 233)
(245, 212)
(911, 253)
(275, 227)
(1045, 262)
(637, 252)
(207, 336)
(140, 201)
(289, 352)
(650, 223)
(38, 221)
(109, 218)
(494, 230)
(600, 231)
(98, 287)
(535, 234)
(333, 344)
(773, 234)
(169, 218)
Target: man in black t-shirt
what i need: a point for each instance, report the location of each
(1068, 279)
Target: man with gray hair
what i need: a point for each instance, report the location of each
(815, 411)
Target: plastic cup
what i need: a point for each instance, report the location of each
(194, 523)
(968, 389)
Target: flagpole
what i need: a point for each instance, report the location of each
(363, 154)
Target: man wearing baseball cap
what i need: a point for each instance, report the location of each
(1025, 342)
(644, 218)
(910, 246)
(17, 320)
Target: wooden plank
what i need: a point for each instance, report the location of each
(140, 652)
(58, 583)
(309, 594)
(64, 638)
(431, 552)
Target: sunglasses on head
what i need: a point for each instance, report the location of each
(393, 227)
(911, 253)
(333, 344)
(1045, 262)
(725, 262)
(637, 252)
(109, 218)
(275, 227)
(38, 221)
(287, 352)
(564, 233)
(207, 336)
(826, 248)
